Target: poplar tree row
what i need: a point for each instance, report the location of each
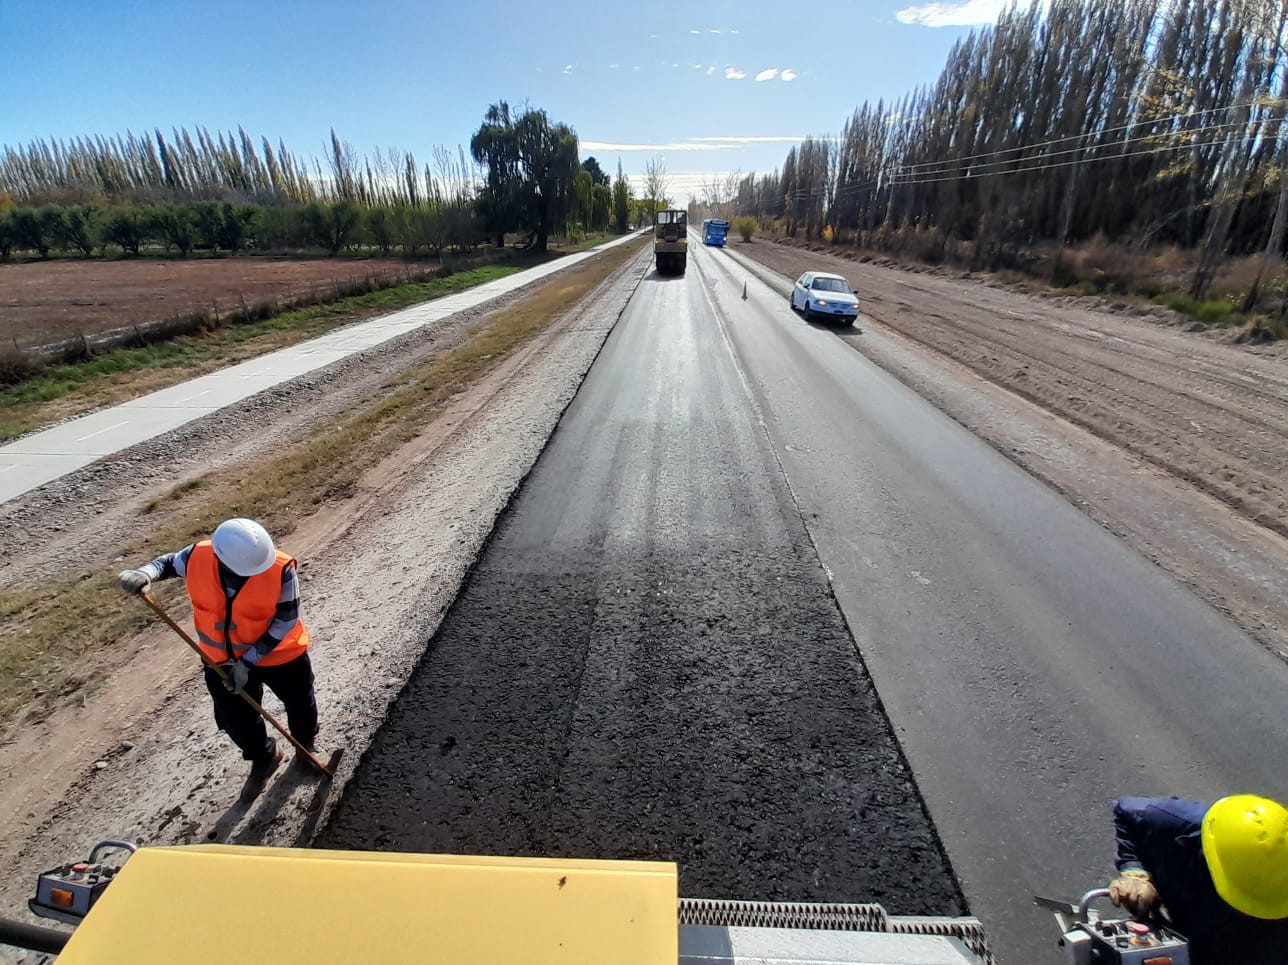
(1140, 121)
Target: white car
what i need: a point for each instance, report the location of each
(817, 293)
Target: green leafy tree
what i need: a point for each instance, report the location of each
(621, 199)
(597, 174)
(6, 234)
(127, 228)
(601, 207)
(80, 229)
(174, 224)
(532, 169)
(584, 185)
(332, 226)
(235, 226)
(382, 228)
(208, 222)
(29, 231)
(495, 145)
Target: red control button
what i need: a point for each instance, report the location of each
(1139, 928)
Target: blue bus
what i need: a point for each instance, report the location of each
(714, 232)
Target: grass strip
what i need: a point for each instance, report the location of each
(64, 391)
(59, 636)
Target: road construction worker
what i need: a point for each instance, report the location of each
(1220, 871)
(246, 607)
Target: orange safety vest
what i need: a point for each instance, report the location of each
(229, 626)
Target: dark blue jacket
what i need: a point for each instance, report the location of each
(1162, 836)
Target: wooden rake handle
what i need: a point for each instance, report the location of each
(157, 609)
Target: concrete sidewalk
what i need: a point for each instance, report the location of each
(41, 457)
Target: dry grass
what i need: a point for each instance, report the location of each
(1096, 267)
(56, 637)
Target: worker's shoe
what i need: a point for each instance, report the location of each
(301, 759)
(263, 769)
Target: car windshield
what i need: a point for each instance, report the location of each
(672, 217)
(830, 285)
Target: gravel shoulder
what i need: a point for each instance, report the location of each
(378, 571)
(1175, 441)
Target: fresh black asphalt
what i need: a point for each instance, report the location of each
(647, 661)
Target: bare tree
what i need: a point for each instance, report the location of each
(656, 182)
(720, 192)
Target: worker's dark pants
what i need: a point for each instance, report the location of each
(293, 684)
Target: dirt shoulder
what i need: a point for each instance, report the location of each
(1174, 441)
(379, 566)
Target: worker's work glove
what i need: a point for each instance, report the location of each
(237, 676)
(1134, 890)
(134, 581)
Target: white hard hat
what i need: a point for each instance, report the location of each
(243, 546)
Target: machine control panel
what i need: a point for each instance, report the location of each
(67, 893)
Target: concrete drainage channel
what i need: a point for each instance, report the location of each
(646, 662)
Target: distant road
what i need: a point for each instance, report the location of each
(43, 456)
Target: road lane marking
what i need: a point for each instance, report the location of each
(101, 431)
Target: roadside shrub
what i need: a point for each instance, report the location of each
(745, 227)
(79, 230)
(127, 228)
(16, 366)
(174, 225)
(6, 234)
(29, 231)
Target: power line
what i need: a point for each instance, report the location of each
(1111, 130)
(911, 169)
(1064, 164)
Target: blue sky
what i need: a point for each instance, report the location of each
(678, 79)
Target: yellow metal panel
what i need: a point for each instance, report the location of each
(210, 903)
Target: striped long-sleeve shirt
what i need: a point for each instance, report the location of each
(173, 565)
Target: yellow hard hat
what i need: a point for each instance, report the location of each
(1245, 842)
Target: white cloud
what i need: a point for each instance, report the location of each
(697, 66)
(733, 31)
(769, 73)
(654, 148)
(636, 68)
(733, 73)
(614, 66)
(754, 139)
(723, 142)
(713, 31)
(567, 68)
(788, 75)
(953, 13)
(695, 32)
(675, 65)
(711, 70)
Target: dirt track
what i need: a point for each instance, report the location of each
(45, 301)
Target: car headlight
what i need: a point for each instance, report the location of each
(820, 303)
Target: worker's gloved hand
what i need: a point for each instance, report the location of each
(1134, 890)
(238, 673)
(134, 581)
